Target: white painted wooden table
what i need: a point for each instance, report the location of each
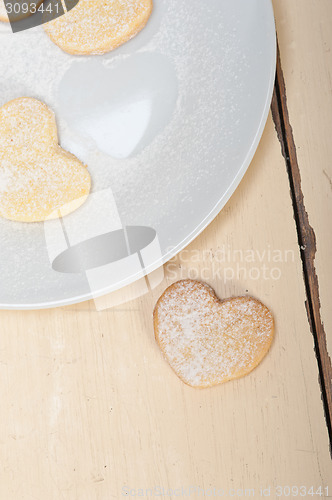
(90, 410)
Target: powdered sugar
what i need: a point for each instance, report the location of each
(195, 141)
(37, 177)
(97, 26)
(207, 341)
(3, 11)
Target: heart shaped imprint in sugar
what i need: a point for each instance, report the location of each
(37, 177)
(208, 341)
(98, 26)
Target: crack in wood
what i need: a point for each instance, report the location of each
(306, 240)
(328, 178)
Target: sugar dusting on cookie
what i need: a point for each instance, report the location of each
(207, 341)
(98, 26)
(37, 176)
(3, 12)
(172, 33)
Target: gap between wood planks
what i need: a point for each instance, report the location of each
(306, 240)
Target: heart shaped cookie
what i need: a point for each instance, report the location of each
(37, 177)
(98, 26)
(208, 341)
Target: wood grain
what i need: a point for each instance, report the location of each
(305, 75)
(90, 407)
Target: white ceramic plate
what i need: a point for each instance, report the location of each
(168, 123)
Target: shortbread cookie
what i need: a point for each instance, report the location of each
(20, 15)
(98, 26)
(208, 341)
(37, 177)
(3, 12)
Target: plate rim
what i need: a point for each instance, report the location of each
(202, 225)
